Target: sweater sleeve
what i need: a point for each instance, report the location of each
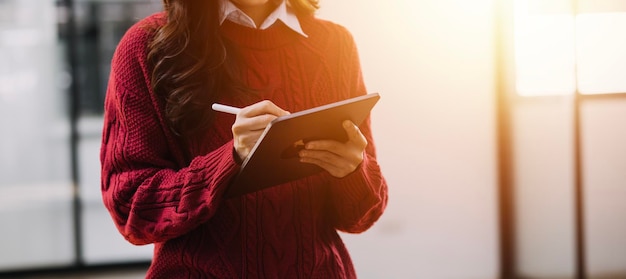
(360, 198)
(149, 196)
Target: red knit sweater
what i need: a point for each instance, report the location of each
(155, 195)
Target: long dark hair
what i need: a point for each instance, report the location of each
(192, 64)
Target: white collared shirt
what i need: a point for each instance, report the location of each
(283, 13)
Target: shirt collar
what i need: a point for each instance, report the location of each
(283, 13)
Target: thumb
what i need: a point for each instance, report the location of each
(354, 134)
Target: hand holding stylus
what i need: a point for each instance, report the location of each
(338, 158)
(250, 123)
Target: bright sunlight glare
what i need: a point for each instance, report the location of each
(557, 53)
(544, 52)
(601, 58)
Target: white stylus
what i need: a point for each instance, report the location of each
(225, 108)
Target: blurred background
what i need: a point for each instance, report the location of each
(500, 131)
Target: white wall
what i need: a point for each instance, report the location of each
(433, 63)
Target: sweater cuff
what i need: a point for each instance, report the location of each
(357, 186)
(219, 166)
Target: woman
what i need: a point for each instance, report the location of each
(167, 158)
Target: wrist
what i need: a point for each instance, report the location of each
(236, 157)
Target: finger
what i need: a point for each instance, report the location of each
(354, 134)
(326, 145)
(343, 157)
(323, 155)
(330, 168)
(261, 108)
(337, 170)
(350, 151)
(342, 161)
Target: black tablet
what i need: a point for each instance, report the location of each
(274, 159)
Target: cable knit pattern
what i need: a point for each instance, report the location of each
(160, 191)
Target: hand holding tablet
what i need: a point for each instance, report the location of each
(274, 159)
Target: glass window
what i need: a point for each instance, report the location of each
(558, 52)
(544, 48)
(100, 26)
(601, 55)
(35, 181)
(36, 186)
